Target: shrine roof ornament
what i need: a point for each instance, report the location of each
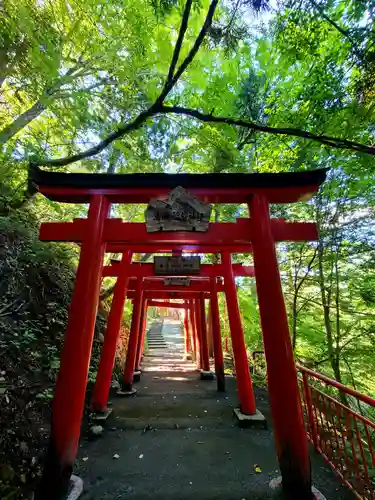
(283, 187)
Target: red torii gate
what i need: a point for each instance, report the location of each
(101, 390)
(259, 234)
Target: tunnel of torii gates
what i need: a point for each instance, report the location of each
(99, 233)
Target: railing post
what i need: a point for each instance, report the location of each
(310, 412)
(216, 337)
(244, 383)
(289, 429)
(107, 356)
(70, 390)
(127, 386)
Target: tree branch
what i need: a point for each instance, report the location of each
(335, 142)
(180, 39)
(343, 32)
(158, 107)
(193, 51)
(121, 130)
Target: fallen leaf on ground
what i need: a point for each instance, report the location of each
(116, 456)
(257, 469)
(84, 459)
(141, 456)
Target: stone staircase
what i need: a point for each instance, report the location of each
(155, 338)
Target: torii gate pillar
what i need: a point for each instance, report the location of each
(244, 383)
(107, 356)
(187, 332)
(70, 390)
(198, 330)
(216, 338)
(289, 429)
(127, 385)
(205, 361)
(193, 328)
(141, 339)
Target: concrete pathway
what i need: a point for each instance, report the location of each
(178, 438)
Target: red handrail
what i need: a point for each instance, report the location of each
(347, 390)
(344, 437)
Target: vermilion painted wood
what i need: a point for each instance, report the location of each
(169, 305)
(169, 247)
(348, 390)
(289, 429)
(218, 234)
(244, 383)
(192, 326)
(140, 188)
(209, 332)
(204, 341)
(142, 333)
(161, 287)
(146, 270)
(216, 337)
(187, 333)
(70, 390)
(214, 195)
(198, 326)
(342, 435)
(159, 294)
(133, 338)
(107, 356)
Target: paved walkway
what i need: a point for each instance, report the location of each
(178, 439)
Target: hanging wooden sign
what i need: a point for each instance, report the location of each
(181, 211)
(177, 265)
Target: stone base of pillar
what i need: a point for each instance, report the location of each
(126, 392)
(205, 375)
(276, 484)
(137, 376)
(100, 416)
(256, 420)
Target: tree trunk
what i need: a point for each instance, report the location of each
(333, 351)
(294, 321)
(21, 122)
